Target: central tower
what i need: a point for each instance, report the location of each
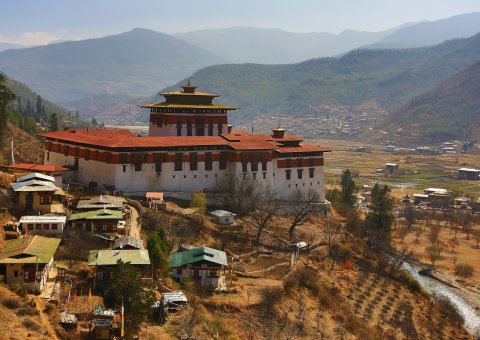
(188, 113)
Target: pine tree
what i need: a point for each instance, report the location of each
(348, 189)
(40, 107)
(53, 122)
(380, 217)
(5, 97)
(158, 250)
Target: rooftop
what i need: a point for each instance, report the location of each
(110, 257)
(36, 176)
(102, 201)
(220, 213)
(36, 249)
(34, 185)
(199, 254)
(43, 219)
(37, 167)
(101, 214)
(131, 241)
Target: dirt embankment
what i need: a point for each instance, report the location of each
(26, 148)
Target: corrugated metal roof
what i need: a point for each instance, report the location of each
(29, 250)
(34, 185)
(99, 202)
(220, 213)
(101, 214)
(43, 219)
(36, 175)
(195, 255)
(110, 257)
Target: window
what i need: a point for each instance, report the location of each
(288, 163)
(38, 226)
(223, 161)
(311, 172)
(158, 159)
(210, 129)
(178, 161)
(189, 127)
(288, 174)
(87, 155)
(299, 162)
(123, 158)
(54, 226)
(65, 150)
(179, 129)
(48, 156)
(264, 175)
(124, 168)
(138, 160)
(264, 166)
(138, 166)
(46, 226)
(311, 162)
(30, 226)
(15, 273)
(300, 173)
(193, 161)
(100, 275)
(208, 161)
(220, 129)
(254, 175)
(244, 166)
(254, 166)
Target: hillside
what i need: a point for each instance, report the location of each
(432, 32)
(135, 63)
(388, 76)
(451, 110)
(27, 148)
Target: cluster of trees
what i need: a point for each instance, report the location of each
(158, 249)
(6, 96)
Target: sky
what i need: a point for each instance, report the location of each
(38, 22)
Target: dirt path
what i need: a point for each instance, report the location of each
(135, 227)
(44, 318)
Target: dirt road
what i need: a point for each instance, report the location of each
(44, 318)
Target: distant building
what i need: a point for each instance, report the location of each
(390, 148)
(419, 199)
(436, 190)
(105, 262)
(101, 202)
(36, 192)
(223, 217)
(49, 225)
(154, 199)
(204, 265)
(391, 168)
(28, 260)
(439, 200)
(103, 221)
(469, 174)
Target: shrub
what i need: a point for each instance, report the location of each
(11, 303)
(49, 308)
(270, 297)
(31, 325)
(465, 270)
(302, 278)
(218, 327)
(21, 290)
(449, 310)
(27, 311)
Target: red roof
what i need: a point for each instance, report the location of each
(156, 195)
(37, 167)
(237, 140)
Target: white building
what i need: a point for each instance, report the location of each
(49, 225)
(223, 217)
(183, 153)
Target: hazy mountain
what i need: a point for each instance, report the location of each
(432, 32)
(7, 46)
(275, 46)
(134, 63)
(450, 110)
(388, 76)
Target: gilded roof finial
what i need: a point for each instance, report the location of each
(189, 83)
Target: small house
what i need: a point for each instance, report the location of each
(223, 217)
(204, 265)
(428, 191)
(68, 321)
(170, 302)
(101, 202)
(28, 260)
(36, 192)
(391, 168)
(154, 199)
(390, 148)
(50, 225)
(419, 199)
(103, 221)
(105, 262)
(469, 174)
(438, 200)
(57, 172)
(101, 329)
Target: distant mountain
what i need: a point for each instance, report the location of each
(450, 110)
(432, 32)
(274, 46)
(133, 63)
(388, 76)
(7, 46)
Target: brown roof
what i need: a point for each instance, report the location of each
(37, 167)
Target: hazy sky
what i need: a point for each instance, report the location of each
(42, 21)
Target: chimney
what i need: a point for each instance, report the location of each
(278, 132)
(229, 128)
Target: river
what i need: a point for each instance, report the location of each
(434, 287)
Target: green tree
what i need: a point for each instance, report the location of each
(158, 249)
(137, 296)
(53, 122)
(199, 200)
(94, 121)
(380, 217)
(5, 97)
(347, 194)
(40, 107)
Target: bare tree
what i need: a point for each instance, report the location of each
(410, 215)
(400, 257)
(330, 233)
(301, 205)
(237, 193)
(418, 233)
(434, 233)
(266, 205)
